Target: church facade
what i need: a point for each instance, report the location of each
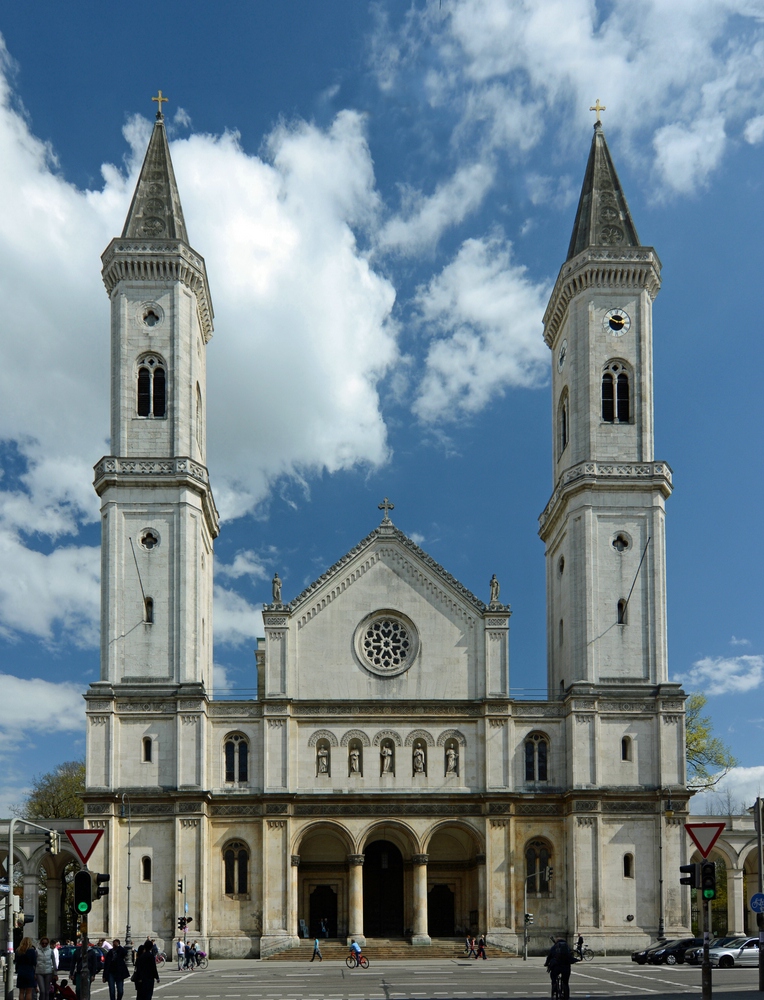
(384, 783)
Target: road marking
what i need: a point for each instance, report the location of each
(612, 982)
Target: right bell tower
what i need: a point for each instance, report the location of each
(604, 525)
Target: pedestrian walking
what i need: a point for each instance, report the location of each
(481, 948)
(115, 970)
(46, 967)
(467, 944)
(26, 963)
(146, 973)
(472, 952)
(316, 951)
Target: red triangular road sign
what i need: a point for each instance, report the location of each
(704, 835)
(84, 842)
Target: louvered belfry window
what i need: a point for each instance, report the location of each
(152, 387)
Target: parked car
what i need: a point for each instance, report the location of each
(67, 954)
(673, 952)
(694, 956)
(740, 951)
(641, 957)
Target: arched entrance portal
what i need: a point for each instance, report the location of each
(323, 911)
(440, 911)
(383, 890)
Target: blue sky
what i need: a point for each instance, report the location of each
(384, 194)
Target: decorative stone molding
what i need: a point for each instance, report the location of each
(499, 807)
(276, 824)
(451, 734)
(673, 706)
(98, 706)
(502, 623)
(585, 805)
(113, 465)
(92, 808)
(295, 860)
(189, 824)
(356, 859)
(420, 859)
(497, 823)
(274, 808)
(236, 810)
(673, 719)
(374, 709)
(497, 723)
(419, 734)
(586, 820)
(189, 720)
(322, 734)
(537, 809)
(371, 808)
(99, 720)
(237, 708)
(536, 709)
(628, 807)
(584, 720)
(189, 807)
(584, 705)
(274, 620)
(387, 734)
(144, 707)
(355, 734)
(95, 824)
(149, 809)
(276, 723)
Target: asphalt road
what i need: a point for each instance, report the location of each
(445, 980)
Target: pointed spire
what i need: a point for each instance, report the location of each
(603, 218)
(155, 212)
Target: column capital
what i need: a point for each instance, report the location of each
(420, 859)
(355, 859)
(295, 861)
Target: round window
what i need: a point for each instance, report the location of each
(387, 643)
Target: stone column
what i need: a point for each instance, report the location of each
(54, 908)
(355, 908)
(735, 902)
(482, 894)
(294, 896)
(420, 935)
(31, 897)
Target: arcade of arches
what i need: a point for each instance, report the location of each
(389, 884)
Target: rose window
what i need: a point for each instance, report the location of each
(387, 644)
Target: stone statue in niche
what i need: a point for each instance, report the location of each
(452, 760)
(386, 754)
(494, 590)
(418, 759)
(322, 760)
(276, 589)
(355, 760)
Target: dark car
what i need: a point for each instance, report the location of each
(641, 957)
(67, 955)
(673, 952)
(694, 956)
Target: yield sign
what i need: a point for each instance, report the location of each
(84, 842)
(704, 835)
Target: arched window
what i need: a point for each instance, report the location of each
(616, 405)
(152, 387)
(538, 862)
(621, 612)
(626, 748)
(628, 866)
(536, 757)
(147, 749)
(148, 610)
(145, 869)
(199, 418)
(563, 423)
(236, 869)
(236, 754)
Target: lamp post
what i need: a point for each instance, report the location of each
(126, 804)
(661, 905)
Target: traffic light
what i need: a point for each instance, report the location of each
(693, 875)
(52, 842)
(548, 873)
(708, 879)
(181, 885)
(83, 892)
(101, 890)
(529, 918)
(188, 920)
(181, 923)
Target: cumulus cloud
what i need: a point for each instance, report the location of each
(34, 705)
(484, 314)
(236, 620)
(738, 790)
(679, 79)
(724, 675)
(245, 563)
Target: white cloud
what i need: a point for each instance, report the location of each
(724, 675)
(221, 683)
(484, 314)
(754, 130)
(34, 705)
(687, 155)
(423, 220)
(739, 788)
(734, 641)
(236, 620)
(245, 563)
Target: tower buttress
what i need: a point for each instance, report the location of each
(603, 527)
(159, 519)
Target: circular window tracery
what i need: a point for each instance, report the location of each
(387, 643)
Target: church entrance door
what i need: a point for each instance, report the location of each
(383, 890)
(440, 912)
(323, 907)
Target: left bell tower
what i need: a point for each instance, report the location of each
(158, 516)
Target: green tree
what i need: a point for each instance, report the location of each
(708, 758)
(56, 794)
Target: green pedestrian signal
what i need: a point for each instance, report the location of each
(83, 892)
(708, 879)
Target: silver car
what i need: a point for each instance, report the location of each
(740, 951)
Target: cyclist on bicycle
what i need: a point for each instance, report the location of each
(558, 962)
(355, 951)
(580, 947)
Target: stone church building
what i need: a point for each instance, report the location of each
(384, 781)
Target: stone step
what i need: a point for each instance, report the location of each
(380, 949)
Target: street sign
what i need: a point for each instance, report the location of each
(84, 842)
(757, 902)
(704, 835)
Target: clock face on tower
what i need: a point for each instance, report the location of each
(562, 355)
(616, 322)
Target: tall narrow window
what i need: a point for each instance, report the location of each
(622, 398)
(608, 398)
(236, 754)
(563, 420)
(538, 861)
(621, 613)
(152, 387)
(199, 418)
(626, 748)
(148, 610)
(236, 869)
(145, 869)
(147, 749)
(616, 401)
(536, 757)
(628, 866)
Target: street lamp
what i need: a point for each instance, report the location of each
(669, 812)
(126, 803)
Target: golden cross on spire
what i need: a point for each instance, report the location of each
(160, 100)
(597, 107)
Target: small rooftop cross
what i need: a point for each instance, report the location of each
(386, 506)
(160, 100)
(597, 107)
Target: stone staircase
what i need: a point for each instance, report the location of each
(381, 949)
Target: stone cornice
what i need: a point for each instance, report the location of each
(614, 270)
(181, 471)
(159, 261)
(603, 475)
